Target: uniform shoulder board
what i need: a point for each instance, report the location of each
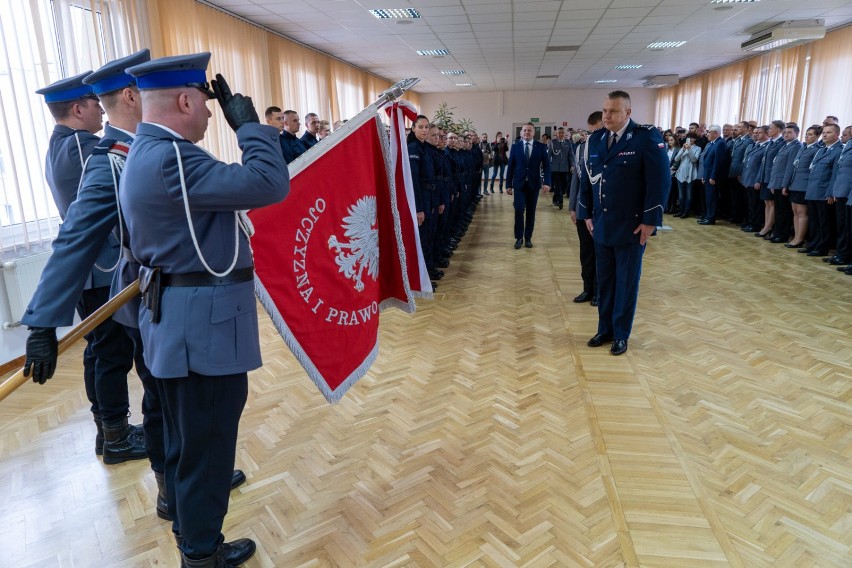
(648, 126)
(110, 146)
(103, 146)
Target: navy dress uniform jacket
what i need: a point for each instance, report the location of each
(83, 237)
(634, 184)
(521, 171)
(210, 330)
(782, 166)
(823, 172)
(772, 150)
(291, 147)
(63, 170)
(422, 176)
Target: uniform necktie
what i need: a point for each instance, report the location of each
(612, 140)
(527, 150)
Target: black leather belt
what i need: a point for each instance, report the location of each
(192, 279)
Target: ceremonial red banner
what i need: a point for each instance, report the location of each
(330, 257)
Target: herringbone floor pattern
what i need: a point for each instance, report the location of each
(487, 434)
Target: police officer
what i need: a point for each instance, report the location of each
(425, 190)
(621, 200)
(819, 191)
(109, 352)
(442, 194)
(740, 146)
(781, 174)
(840, 192)
(198, 319)
(752, 169)
(560, 150)
(587, 242)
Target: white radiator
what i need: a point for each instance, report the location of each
(21, 278)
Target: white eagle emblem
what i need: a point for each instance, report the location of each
(362, 251)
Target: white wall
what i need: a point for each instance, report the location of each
(498, 110)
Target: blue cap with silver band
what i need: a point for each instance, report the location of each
(172, 72)
(65, 90)
(113, 76)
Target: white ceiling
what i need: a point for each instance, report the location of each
(500, 44)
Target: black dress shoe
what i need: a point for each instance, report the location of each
(747, 229)
(237, 551)
(442, 263)
(619, 347)
(847, 270)
(594, 302)
(599, 340)
(804, 250)
(777, 240)
(583, 297)
(707, 222)
(818, 253)
(835, 261)
(794, 246)
(760, 235)
(518, 243)
(528, 244)
(434, 285)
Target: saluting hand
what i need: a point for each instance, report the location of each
(238, 110)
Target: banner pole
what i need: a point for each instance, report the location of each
(76, 333)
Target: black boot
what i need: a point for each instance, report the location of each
(229, 555)
(122, 442)
(99, 438)
(162, 497)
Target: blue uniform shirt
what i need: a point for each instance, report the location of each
(291, 147)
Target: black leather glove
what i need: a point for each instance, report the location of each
(42, 351)
(238, 109)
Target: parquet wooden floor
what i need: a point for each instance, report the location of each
(488, 435)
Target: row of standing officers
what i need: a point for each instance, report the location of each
(171, 214)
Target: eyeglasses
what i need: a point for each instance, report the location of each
(204, 88)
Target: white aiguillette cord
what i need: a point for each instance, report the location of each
(240, 221)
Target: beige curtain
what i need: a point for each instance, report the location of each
(802, 84)
(723, 95)
(829, 79)
(666, 98)
(688, 106)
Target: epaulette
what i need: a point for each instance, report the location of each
(648, 126)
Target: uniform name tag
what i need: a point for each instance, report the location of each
(627, 153)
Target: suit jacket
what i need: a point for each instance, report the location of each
(561, 155)
(625, 185)
(738, 152)
(715, 158)
(842, 187)
(211, 330)
(308, 140)
(521, 171)
(823, 172)
(782, 166)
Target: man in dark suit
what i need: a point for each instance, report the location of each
(527, 161)
(715, 170)
(621, 200)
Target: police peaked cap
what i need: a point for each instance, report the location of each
(113, 76)
(65, 90)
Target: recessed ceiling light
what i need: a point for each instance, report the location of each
(464, 84)
(627, 66)
(659, 45)
(607, 81)
(395, 13)
(547, 76)
(452, 72)
(432, 52)
(552, 48)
